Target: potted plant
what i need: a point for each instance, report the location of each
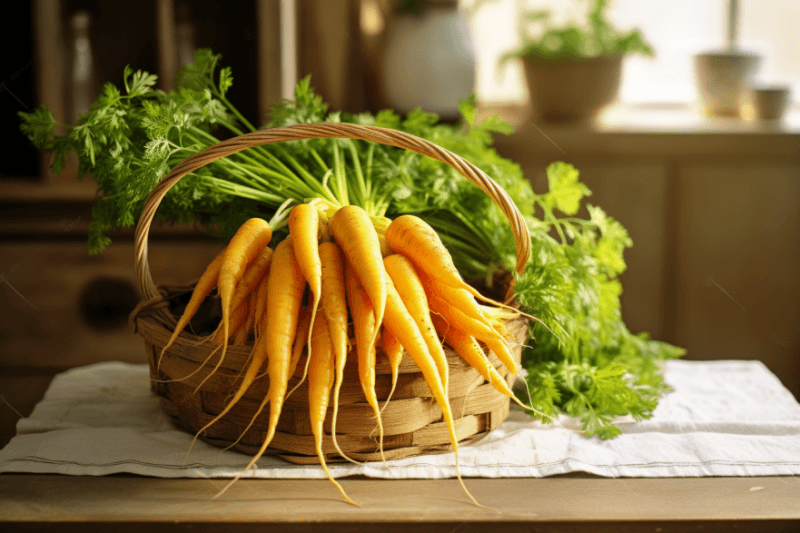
(574, 70)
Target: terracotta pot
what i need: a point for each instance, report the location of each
(572, 90)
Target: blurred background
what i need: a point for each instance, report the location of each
(695, 148)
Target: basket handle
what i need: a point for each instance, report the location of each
(324, 130)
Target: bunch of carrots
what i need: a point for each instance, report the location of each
(393, 280)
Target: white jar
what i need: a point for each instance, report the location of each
(429, 61)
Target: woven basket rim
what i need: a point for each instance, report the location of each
(322, 130)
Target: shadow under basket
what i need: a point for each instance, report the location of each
(412, 420)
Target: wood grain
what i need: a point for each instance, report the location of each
(563, 503)
(40, 320)
(738, 267)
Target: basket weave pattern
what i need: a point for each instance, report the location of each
(412, 420)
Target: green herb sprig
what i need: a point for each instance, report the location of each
(596, 37)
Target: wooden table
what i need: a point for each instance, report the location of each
(567, 503)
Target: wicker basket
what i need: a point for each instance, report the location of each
(412, 420)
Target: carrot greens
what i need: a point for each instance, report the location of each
(584, 363)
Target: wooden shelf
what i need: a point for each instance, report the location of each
(19, 191)
(628, 130)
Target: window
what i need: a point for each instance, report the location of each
(676, 29)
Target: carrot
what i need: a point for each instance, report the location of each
(405, 280)
(334, 306)
(470, 351)
(364, 325)
(284, 296)
(246, 245)
(244, 331)
(237, 319)
(253, 275)
(462, 299)
(476, 329)
(394, 352)
(258, 355)
(204, 286)
(468, 348)
(457, 297)
(261, 303)
(300, 338)
(304, 229)
(414, 238)
(380, 224)
(320, 381)
(353, 231)
(402, 325)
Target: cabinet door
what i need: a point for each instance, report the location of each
(738, 265)
(63, 308)
(635, 194)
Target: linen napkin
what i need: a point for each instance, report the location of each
(725, 418)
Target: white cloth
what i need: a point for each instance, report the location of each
(725, 418)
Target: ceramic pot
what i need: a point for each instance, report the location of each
(574, 90)
(770, 103)
(429, 62)
(722, 80)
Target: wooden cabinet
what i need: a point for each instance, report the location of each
(63, 308)
(635, 194)
(713, 209)
(738, 266)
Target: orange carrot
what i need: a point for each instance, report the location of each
(402, 325)
(284, 296)
(476, 329)
(470, 351)
(364, 325)
(304, 229)
(261, 303)
(258, 355)
(468, 348)
(244, 331)
(300, 338)
(320, 381)
(414, 238)
(457, 297)
(411, 236)
(394, 352)
(245, 246)
(334, 306)
(353, 231)
(204, 286)
(405, 280)
(237, 319)
(253, 275)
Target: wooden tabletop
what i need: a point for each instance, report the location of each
(561, 503)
